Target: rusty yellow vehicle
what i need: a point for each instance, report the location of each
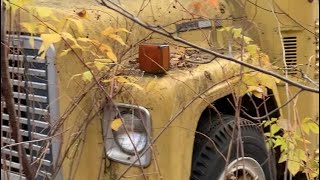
(190, 119)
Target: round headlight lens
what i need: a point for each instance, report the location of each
(136, 132)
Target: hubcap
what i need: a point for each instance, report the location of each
(244, 168)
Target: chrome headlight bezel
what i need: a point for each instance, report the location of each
(114, 151)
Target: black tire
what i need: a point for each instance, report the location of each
(209, 164)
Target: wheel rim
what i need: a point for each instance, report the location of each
(243, 168)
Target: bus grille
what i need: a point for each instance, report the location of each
(30, 77)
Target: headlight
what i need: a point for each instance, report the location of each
(132, 138)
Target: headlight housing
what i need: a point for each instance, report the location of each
(131, 138)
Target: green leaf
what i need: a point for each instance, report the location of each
(314, 127)
(279, 142)
(247, 40)
(267, 134)
(305, 128)
(283, 157)
(294, 165)
(236, 32)
(274, 128)
(252, 49)
(301, 154)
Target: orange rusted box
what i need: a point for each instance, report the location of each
(154, 58)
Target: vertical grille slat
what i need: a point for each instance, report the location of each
(290, 48)
(32, 80)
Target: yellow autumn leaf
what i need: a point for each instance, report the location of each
(101, 46)
(43, 12)
(116, 124)
(78, 24)
(99, 65)
(66, 36)
(252, 49)
(264, 60)
(247, 40)
(107, 31)
(87, 76)
(111, 30)
(236, 32)
(47, 40)
(64, 52)
(30, 27)
(42, 28)
(84, 39)
(258, 91)
(112, 56)
(127, 81)
(117, 38)
(121, 79)
(104, 60)
(313, 127)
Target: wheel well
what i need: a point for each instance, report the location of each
(225, 105)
